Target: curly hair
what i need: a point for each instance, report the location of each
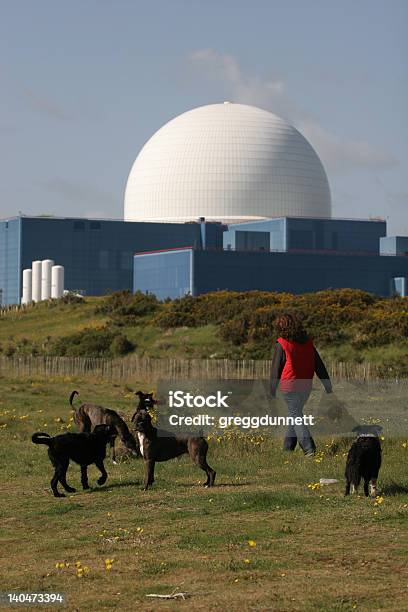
(290, 327)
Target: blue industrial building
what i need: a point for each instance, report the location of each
(172, 259)
(175, 273)
(296, 255)
(97, 255)
(295, 233)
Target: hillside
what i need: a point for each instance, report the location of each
(348, 325)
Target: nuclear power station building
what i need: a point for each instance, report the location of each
(225, 196)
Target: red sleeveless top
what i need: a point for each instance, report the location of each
(299, 367)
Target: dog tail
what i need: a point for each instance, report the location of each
(71, 397)
(41, 438)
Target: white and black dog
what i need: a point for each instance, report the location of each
(364, 460)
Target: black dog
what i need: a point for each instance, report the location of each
(364, 460)
(158, 445)
(146, 401)
(83, 448)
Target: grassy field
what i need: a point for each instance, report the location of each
(265, 538)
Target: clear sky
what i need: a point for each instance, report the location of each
(85, 83)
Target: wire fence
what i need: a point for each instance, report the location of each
(149, 369)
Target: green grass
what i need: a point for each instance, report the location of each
(182, 342)
(39, 325)
(49, 319)
(315, 549)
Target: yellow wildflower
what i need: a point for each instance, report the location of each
(108, 564)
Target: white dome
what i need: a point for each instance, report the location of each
(227, 162)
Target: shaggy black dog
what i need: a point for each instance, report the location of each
(160, 445)
(364, 460)
(83, 448)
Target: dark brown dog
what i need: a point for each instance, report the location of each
(87, 416)
(146, 401)
(158, 445)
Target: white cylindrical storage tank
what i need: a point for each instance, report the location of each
(57, 281)
(36, 281)
(27, 286)
(46, 266)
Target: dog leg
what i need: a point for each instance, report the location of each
(149, 476)
(112, 445)
(213, 474)
(366, 488)
(347, 489)
(101, 468)
(201, 461)
(373, 487)
(62, 477)
(54, 483)
(84, 477)
(354, 489)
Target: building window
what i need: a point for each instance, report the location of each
(301, 239)
(166, 275)
(104, 260)
(94, 225)
(126, 260)
(399, 286)
(79, 226)
(252, 241)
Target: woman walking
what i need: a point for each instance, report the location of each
(294, 363)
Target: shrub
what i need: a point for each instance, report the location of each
(120, 346)
(170, 318)
(234, 331)
(70, 298)
(89, 342)
(10, 350)
(93, 342)
(381, 327)
(125, 307)
(331, 317)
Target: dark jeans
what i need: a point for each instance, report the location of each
(295, 400)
